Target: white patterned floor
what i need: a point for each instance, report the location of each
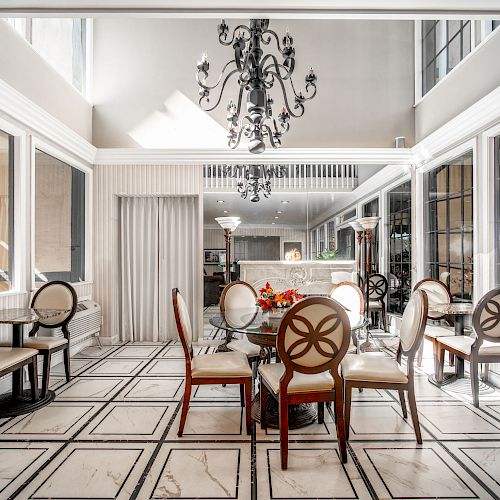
(112, 433)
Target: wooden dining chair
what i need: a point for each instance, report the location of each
(313, 337)
(377, 291)
(53, 295)
(14, 358)
(382, 372)
(239, 295)
(481, 347)
(219, 368)
(437, 293)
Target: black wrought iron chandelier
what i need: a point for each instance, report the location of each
(254, 179)
(257, 74)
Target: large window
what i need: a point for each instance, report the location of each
(6, 210)
(449, 226)
(59, 220)
(321, 239)
(346, 243)
(371, 209)
(497, 209)
(314, 245)
(399, 278)
(330, 229)
(444, 45)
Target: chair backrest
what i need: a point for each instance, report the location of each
(56, 295)
(313, 337)
(377, 286)
(183, 323)
(238, 295)
(486, 317)
(437, 293)
(350, 296)
(413, 325)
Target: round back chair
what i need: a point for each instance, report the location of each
(377, 287)
(313, 337)
(412, 328)
(437, 293)
(350, 296)
(237, 296)
(183, 322)
(486, 318)
(56, 295)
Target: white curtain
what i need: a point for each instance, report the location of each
(159, 251)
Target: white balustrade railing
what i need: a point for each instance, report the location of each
(309, 177)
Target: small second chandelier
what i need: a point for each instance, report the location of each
(257, 74)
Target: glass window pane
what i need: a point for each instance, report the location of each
(6, 210)
(59, 220)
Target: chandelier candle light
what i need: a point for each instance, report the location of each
(257, 73)
(229, 224)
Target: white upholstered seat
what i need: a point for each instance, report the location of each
(244, 346)
(463, 343)
(45, 342)
(10, 356)
(370, 368)
(220, 364)
(436, 331)
(300, 382)
(375, 304)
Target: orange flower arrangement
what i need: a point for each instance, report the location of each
(271, 300)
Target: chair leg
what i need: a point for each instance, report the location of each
(185, 407)
(248, 405)
(384, 319)
(451, 359)
(46, 373)
(420, 354)
(33, 376)
(263, 403)
(283, 417)
(67, 365)
(347, 410)
(414, 414)
(474, 380)
(242, 395)
(341, 435)
(403, 403)
(321, 412)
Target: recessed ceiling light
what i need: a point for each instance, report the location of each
(285, 202)
(226, 211)
(220, 201)
(276, 217)
(279, 212)
(273, 223)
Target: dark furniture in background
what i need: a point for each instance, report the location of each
(212, 289)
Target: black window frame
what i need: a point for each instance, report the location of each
(346, 243)
(399, 263)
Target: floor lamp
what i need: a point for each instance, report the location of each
(358, 228)
(229, 224)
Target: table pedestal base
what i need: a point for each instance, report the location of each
(12, 407)
(298, 415)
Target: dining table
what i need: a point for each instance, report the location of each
(261, 328)
(19, 400)
(459, 311)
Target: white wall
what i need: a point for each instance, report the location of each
(473, 79)
(22, 68)
(130, 179)
(145, 94)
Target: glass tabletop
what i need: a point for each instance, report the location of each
(254, 321)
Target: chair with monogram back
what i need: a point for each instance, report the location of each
(313, 337)
(382, 372)
(377, 291)
(214, 369)
(481, 347)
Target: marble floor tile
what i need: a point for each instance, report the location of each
(112, 366)
(371, 395)
(95, 351)
(77, 367)
(211, 421)
(129, 421)
(407, 470)
(216, 392)
(458, 421)
(57, 421)
(91, 389)
(19, 461)
(314, 471)
(166, 367)
(92, 471)
(137, 351)
(176, 351)
(153, 389)
(221, 471)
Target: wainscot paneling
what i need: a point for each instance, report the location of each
(111, 182)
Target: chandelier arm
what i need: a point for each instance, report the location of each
(298, 105)
(269, 133)
(240, 27)
(305, 97)
(275, 64)
(204, 98)
(272, 35)
(202, 83)
(234, 140)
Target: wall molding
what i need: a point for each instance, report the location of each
(42, 124)
(360, 156)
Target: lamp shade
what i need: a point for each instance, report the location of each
(356, 225)
(230, 223)
(369, 223)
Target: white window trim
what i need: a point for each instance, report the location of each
(41, 145)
